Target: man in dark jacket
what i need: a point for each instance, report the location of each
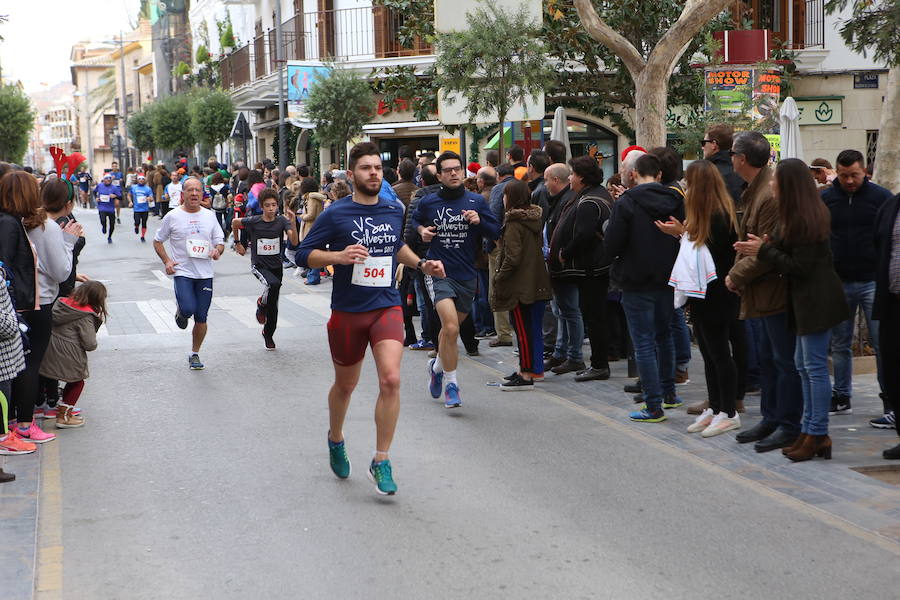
(854, 202)
(538, 161)
(644, 257)
(887, 303)
(495, 201)
(412, 239)
(577, 257)
(716, 145)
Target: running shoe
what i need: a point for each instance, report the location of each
(888, 421)
(436, 379)
(194, 362)
(840, 404)
(38, 412)
(35, 434)
(270, 343)
(260, 311)
(646, 415)
(422, 345)
(451, 396)
(50, 412)
(103, 229)
(143, 239)
(135, 230)
(380, 474)
(340, 463)
(180, 320)
(722, 423)
(13, 445)
(118, 221)
(514, 374)
(672, 401)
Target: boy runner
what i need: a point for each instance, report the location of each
(195, 240)
(364, 233)
(173, 191)
(141, 197)
(116, 175)
(265, 235)
(108, 197)
(454, 220)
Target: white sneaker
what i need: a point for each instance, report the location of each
(721, 423)
(701, 422)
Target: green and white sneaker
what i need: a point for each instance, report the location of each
(380, 475)
(340, 464)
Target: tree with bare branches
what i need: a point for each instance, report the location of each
(651, 68)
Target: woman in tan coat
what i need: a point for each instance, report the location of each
(313, 205)
(76, 320)
(522, 283)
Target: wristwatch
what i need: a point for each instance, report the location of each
(421, 263)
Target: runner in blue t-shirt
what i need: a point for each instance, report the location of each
(108, 197)
(454, 221)
(119, 183)
(364, 235)
(141, 197)
(84, 186)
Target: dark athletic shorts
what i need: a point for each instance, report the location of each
(462, 292)
(350, 333)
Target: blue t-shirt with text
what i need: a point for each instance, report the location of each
(106, 197)
(141, 195)
(378, 227)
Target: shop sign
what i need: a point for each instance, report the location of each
(450, 144)
(865, 81)
(821, 112)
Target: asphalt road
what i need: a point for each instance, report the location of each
(215, 484)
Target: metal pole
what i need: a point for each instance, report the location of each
(279, 51)
(124, 105)
(90, 140)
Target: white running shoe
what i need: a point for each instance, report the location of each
(701, 422)
(721, 423)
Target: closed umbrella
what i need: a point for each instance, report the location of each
(559, 131)
(789, 119)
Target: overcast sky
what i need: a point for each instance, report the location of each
(39, 35)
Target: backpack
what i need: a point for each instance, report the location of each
(219, 202)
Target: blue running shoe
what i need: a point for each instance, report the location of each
(421, 345)
(437, 380)
(671, 400)
(194, 362)
(380, 474)
(648, 416)
(451, 396)
(340, 463)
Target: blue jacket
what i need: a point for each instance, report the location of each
(853, 228)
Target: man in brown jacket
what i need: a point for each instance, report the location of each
(763, 297)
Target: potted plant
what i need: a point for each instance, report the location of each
(183, 70)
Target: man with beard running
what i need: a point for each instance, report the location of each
(455, 221)
(361, 235)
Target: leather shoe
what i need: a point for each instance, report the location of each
(496, 343)
(699, 407)
(780, 439)
(758, 432)
(553, 362)
(593, 374)
(633, 388)
(569, 366)
(892, 453)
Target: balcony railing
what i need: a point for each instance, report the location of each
(337, 35)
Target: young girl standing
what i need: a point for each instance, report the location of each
(76, 320)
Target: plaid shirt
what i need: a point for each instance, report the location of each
(894, 265)
(12, 358)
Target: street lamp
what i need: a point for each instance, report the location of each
(86, 119)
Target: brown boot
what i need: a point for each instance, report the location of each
(699, 407)
(65, 419)
(739, 405)
(796, 445)
(813, 445)
(6, 477)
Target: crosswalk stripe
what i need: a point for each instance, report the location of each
(318, 304)
(243, 309)
(160, 314)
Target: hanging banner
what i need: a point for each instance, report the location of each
(736, 89)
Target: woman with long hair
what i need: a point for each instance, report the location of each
(710, 221)
(801, 253)
(53, 246)
(522, 283)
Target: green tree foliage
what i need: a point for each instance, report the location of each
(417, 22)
(16, 123)
(339, 105)
(874, 27)
(400, 86)
(498, 62)
(171, 127)
(140, 128)
(211, 116)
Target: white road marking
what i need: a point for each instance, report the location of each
(160, 314)
(243, 308)
(161, 280)
(318, 304)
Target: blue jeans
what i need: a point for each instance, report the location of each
(419, 282)
(570, 332)
(781, 395)
(811, 358)
(481, 310)
(681, 337)
(858, 294)
(313, 276)
(752, 327)
(649, 316)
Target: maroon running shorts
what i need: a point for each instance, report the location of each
(349, 333)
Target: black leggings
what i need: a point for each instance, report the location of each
(26, 391)
(712, 332)
(108, 220)
(140, 220)
(271, 280)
